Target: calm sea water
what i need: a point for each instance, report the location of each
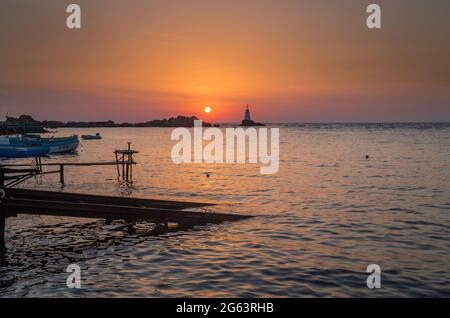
(321, 220)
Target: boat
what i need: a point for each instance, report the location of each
(13, 151)
(55, 144)
(97, 136)
(23, 152)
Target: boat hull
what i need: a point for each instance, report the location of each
(22, 152)
(65, 147)
(88, 137)
(56, 145)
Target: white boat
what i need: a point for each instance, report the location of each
(97, 136)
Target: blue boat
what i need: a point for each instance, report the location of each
(22, 152)
(56, 145)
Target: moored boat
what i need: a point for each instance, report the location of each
(55, 144)
(97, 136)
(23, 152)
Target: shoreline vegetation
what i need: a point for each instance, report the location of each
(27, 124)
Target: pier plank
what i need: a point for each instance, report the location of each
(88, 198)
(111, 212)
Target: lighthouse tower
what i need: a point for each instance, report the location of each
(247, 115)
(248, 122)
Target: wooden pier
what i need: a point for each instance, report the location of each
(124, 158)
(15, 201)
(21, 201)
(16, 173)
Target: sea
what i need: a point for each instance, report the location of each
(345, 196)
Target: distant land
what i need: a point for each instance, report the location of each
(27, 124)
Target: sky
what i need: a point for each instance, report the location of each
(290, 60)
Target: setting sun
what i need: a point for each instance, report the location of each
(208, 109)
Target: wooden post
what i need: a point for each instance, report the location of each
(129, 164)
(131, 168)
(123, 167)
(130, 159)
(117, 165)
(39, 164)
(61, 174)
(2, 178)
(2, 232)
(130, 226)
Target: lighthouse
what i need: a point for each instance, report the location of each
(248, 122)
(247, 114)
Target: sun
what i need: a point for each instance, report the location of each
(208, 109)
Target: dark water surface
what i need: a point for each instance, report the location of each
(321, 220)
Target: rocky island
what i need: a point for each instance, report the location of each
(27, 124)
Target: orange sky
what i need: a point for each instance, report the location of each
(291, 60)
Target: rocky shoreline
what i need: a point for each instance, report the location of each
(27, 124)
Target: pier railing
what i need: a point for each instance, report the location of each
(17, 173)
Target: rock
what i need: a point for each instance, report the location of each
(26, 124)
